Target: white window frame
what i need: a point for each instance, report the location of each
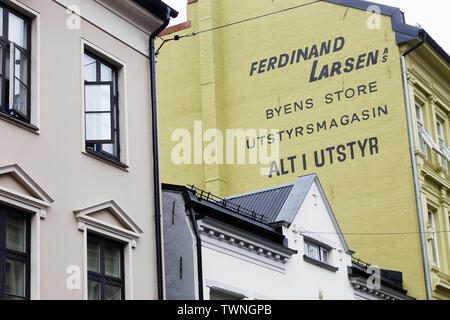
(36, 207)
(434, 244)
(87, 224)
(421, 128)
(441, 142)
(122, 92)
(226, 289)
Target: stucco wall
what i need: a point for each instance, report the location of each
(179, 250)
(75, 180)
(370, 193)
(301, 279)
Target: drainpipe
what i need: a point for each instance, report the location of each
(414, 166)
(199, 254)
(157, 182)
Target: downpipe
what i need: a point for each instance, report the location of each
(414, 165)
(199, 254)
(156, 169)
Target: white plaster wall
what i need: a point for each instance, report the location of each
(74, 180)
(301, 280)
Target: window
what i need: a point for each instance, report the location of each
(442, 145)
(105, 269)
(432, 238)
(14, 255)
(425, 138)
(15, 53)
(217, 294)
(101, 108)
(316, 252)
(421, 128)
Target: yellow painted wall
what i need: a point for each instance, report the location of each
(207, 78)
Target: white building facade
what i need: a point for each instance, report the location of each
(75, 122)
(282, 243)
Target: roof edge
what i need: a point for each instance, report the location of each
(403, 31)
(158, 8)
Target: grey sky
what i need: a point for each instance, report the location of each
(432, 15)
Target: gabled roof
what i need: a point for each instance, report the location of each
(267, 202)
(280, 205)
(403, 31)
(261, 211)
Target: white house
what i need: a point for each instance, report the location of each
(278, 243)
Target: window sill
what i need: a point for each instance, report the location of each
(435, 268)
(106, 159)
(320, 263)
(18, 122)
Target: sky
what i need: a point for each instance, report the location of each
(432, 15)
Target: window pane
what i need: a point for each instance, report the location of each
(1, 22)
(93, 290)
(113, 292)
(12, 298)
(112, 260)
(98, 126)
(17, 30)
(93, 248)
(1, 59)
(219, 295)
(1, 68)
(21, 66)
(98, 97)
(110, 148)
(90, 68)
(313, 251)
(16, 233)
(324, 255)
(6, 75)
(15, 278)
(106, 73)
(20, 97)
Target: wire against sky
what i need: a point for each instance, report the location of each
(373, 233)
(178, 37)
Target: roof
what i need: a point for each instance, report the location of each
(205, 204)
(403, 31)
(261, 211)
(389, 279)
(158, 8)
(280, 204)
(267, 202)
(276, 204)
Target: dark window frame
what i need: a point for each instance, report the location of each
(319, 262)
(14, 255)
(95, 147)
(7, 111)
(101, 277)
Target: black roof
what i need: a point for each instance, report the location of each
(267, 202)
(158, 8)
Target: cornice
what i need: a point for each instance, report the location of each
(244, 243)
(380, 294)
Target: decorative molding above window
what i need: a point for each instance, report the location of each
(109, 217)
(18, 190)
(18, 186)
